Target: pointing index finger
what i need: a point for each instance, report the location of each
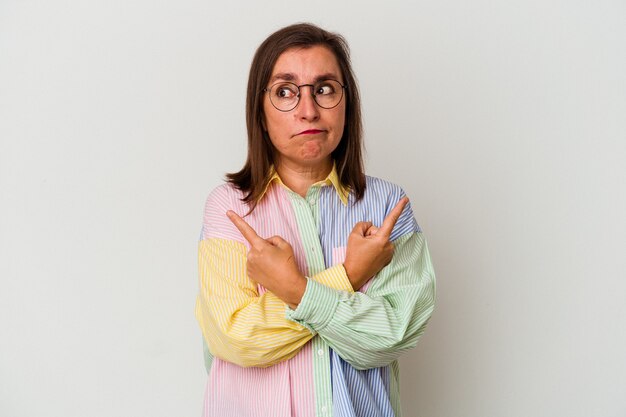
(392, 217)
(246, 230)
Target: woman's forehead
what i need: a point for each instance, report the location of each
(308, 64)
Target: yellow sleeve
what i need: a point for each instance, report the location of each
(239, 324)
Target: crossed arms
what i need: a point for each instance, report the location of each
(249, 328)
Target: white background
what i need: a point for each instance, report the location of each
(505, 122)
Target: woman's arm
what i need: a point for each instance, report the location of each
(371, 329)
(239, 324)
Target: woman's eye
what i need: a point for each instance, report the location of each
(324, 89)
(285, 92)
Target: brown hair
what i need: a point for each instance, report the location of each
(254, 176)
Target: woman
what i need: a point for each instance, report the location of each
(313, 277)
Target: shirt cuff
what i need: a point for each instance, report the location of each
(317, 306)
(335, 277)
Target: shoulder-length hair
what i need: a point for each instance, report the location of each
(255, 175)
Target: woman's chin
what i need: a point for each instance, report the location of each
(312, 152)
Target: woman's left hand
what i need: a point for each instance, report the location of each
(271, 263)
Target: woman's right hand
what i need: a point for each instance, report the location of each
(369, 248)
(268, 257)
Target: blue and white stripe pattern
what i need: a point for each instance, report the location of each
(360, 393)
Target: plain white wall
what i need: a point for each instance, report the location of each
(504, 121)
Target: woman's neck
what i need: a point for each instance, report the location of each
(299, 178)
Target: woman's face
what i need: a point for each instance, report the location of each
(307, 135)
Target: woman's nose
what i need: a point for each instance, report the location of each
(307, 107)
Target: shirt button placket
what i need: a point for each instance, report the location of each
(308, 218)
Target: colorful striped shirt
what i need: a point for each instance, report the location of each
(336, 354)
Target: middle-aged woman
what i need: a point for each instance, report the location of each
(314, 277)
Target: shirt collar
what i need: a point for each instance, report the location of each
(332, 179)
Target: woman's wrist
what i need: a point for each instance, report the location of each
(295, 292)
(352, 276)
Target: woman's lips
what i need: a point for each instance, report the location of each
(310, 132)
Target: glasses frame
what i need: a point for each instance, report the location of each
(269, 89)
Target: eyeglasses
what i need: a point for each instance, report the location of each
(285, 96)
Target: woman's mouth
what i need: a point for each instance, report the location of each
(310, 132)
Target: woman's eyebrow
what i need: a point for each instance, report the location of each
(327, 76)
(288, 76)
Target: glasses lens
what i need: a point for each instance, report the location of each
(284, 96)
(328, 93)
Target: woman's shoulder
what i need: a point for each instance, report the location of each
(215, 223)
(225, 190)
(386, 194)
(379, 188)
(224, 197)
